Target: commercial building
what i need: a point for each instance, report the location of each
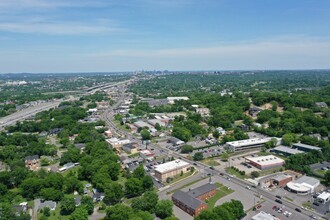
(171, 100)
(116, 143)
(192, 202)
(305, 147)
(171, 169)
(324, 197)
(131, 148)
(264, 216)
(153, 122)
(108, 133)
(249, 144)
(147, 154)
(303, 185)
(265, 162)
(175, 141)
(281, 180)
(286, 151)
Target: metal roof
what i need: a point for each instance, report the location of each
(306, 146)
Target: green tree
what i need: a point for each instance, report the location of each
(139, 172)
(164, 209)
(88, 204)
(51, 194)
(119, 212)
(216, 134)
(147, 202)
(46, 211)
(147, 183)
(255, 174)
(68, 205)
(198, 156)
(158, 127)
(187, 149)
(145, 134)
(288, 139)
(113, 193)
(133, 187)
(79, 214)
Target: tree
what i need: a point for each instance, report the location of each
(147, 182)
(147, 202)
(118, 212)
(145, 134)
(288, 139)
(46, 211)
(164, 209)
(68, 205)
(79, 214)
(72, 184)
(51, 194)
(88, 203)
(113, 193)
(327, 177)
(133, 187)
(255, 174)
(139, 172)
(158, 127)
(187, 149)
(198, 156)
(216, 134)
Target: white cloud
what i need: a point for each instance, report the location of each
(53, 28)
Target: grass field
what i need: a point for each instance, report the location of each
(235, 173)
(221, 192)
(210, 162)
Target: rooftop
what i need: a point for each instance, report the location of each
(249, 142)
(288, 150)
(264, 216)
(307, 180)
(324, 196)
(172, 165)
(281, 177)
(202, 190)
(146, 152)
(265, 160)
(186, 199)
(306, 146)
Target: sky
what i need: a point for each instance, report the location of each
(130, 35)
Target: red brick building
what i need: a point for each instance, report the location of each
(192, 201)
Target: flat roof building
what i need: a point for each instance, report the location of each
(286, 151)
(249, 144)
(324, 197)
(303, 185)
(171, 169)
(265, 162)
(281, 180)
(305, 147)
(264, 216)
(146, 154)
(171, 100)
(116, 143)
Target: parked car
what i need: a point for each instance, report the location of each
(297, 209)
(278, 201)
(316, 203)
(278, 197)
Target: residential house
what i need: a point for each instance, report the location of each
(50, 204)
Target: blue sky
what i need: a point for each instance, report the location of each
(128, 35)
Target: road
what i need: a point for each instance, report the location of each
(26, 113)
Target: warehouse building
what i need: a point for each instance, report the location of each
(286, 151)
(192, 202)
(249, 144)
(171, 169)
(303, 185)
(323, 197)
(305, 147)
(265, 162)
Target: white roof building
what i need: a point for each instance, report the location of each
(115, 142)
(324, 197)
(172, 165)
(265, 162)
(303, 185)
(171, 100)
(264, 216)
(249, 143)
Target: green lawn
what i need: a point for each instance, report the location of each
(235, 173)
(179, 177)
(73, 170)
(221, 192)
(320, 172)
(210, 162)
(188, 184)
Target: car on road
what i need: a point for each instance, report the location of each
(258, 206)
(312, 217)
(278, 197)
(221, 174)
(212, 168)
(298, 209)
(316, 204)
(274, 207)
(248, 187)
(278, 201)
(228, 178)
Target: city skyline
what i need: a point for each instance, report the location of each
(111, 36)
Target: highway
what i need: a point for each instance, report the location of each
(26, 113)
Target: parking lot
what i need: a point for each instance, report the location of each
(240, 163)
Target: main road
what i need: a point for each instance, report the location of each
(26, 113)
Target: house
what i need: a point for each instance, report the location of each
(192, 201)
(254, 111)
(21, 208)
(321, 104)
(55, 131)
(50, 204)
(221, 131)
(31, 160)
(175, 141)
(80, 146)
(203, 111)
(147, 154)
(108, 133)
(131, 148)
(98, 196)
